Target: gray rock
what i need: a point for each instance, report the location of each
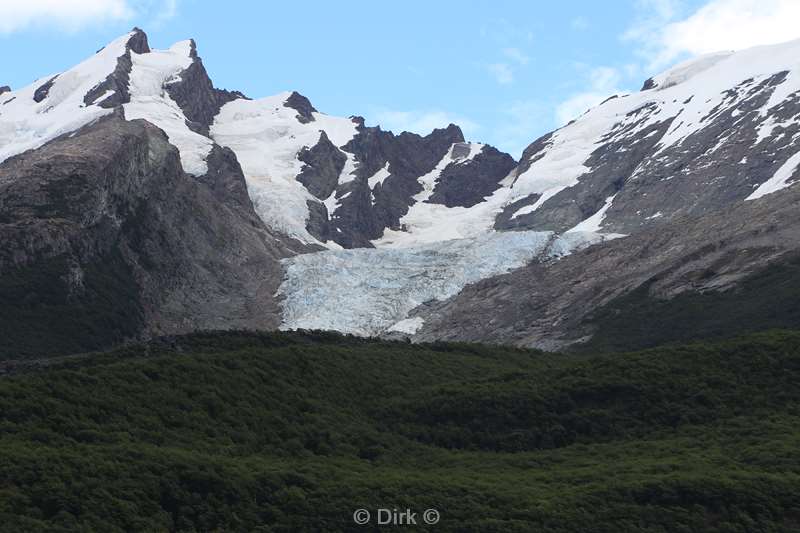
(196, 95)
(698, 175)
(318, 223)
(467, 184)
(323, 165)
(118, 81)
(110, 208)
(43, 90)
(302, 105)
(547, 305)
(364, 213)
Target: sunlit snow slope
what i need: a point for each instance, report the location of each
(54, 105)
(707, 133)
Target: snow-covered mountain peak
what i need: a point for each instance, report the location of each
(334, 181)
(57, 104)
(701, 135)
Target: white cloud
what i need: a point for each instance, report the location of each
(521, 122)
(516, 55)
(162, 11)
(75, 15)
(579, 23)
(421, 121)
(70, 15)
(718, 25)
(602, 83)
(502, 72)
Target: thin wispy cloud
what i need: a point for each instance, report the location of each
(602, 82)
(421, 122)
(502, 73)
(579, 24)
(505, 32)
(162, 11)
(520, 119)
(516, 55)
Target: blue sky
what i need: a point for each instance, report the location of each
(506, 71)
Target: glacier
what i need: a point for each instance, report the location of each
(369, 292)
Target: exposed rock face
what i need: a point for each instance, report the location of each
(138, 42)
(111, 218)
(118, 81)
(302, 105)
(42, 92)
(650, 172)
(226, 180)
(5, 89)
(197, 96)
(323, 165)
(649, 83)
(365, 210)
(116, 228)
(467, 185)
(318, 224)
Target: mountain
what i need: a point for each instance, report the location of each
(147, 201)
(696, 169)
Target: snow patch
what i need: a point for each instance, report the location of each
(379, 176)
(26, 124)
(780, 180)
(428, 223)
(150, 74)
(691, 90)
(409, 325)
(594, 222)
(266, 137)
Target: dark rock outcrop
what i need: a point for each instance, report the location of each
(43, 90)
(196, 95)
(534, 152)
(318, 223)
(5, 89)
(323, 165)
(302, 105)
(225, 178)
(117, 82)
(505, 220)
(468, 183)
(138, 42)
(105, 238)
(365, 212)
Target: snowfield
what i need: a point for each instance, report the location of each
(371, 291)
(150, 74)
(26, 124)
(266, 137)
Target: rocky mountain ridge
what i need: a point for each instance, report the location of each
(212, 195)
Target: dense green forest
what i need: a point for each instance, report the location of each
(294, 432)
